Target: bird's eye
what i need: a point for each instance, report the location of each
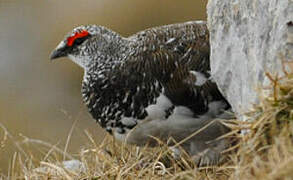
(79, 41)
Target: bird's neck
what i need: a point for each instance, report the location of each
(113, 53)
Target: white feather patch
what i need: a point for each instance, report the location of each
(158, 110)
(200, 78)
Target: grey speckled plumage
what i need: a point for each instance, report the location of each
(153, 83)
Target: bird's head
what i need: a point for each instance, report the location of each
(85, 44)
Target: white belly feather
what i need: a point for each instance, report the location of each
(179, 124)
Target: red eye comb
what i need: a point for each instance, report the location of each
(77, 35)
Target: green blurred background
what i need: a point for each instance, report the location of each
(40, 99)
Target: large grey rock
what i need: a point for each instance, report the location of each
(248, 38)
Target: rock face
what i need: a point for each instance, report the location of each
(248, 38)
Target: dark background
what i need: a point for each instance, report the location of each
(41, 99)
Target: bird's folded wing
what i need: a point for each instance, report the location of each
(169, 54)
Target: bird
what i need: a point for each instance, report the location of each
(154, 83)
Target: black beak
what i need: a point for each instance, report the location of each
(57, 53)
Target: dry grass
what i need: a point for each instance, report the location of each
(264, 151)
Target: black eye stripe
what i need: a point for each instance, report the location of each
(79, 41)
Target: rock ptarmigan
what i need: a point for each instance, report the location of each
(155, 83)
